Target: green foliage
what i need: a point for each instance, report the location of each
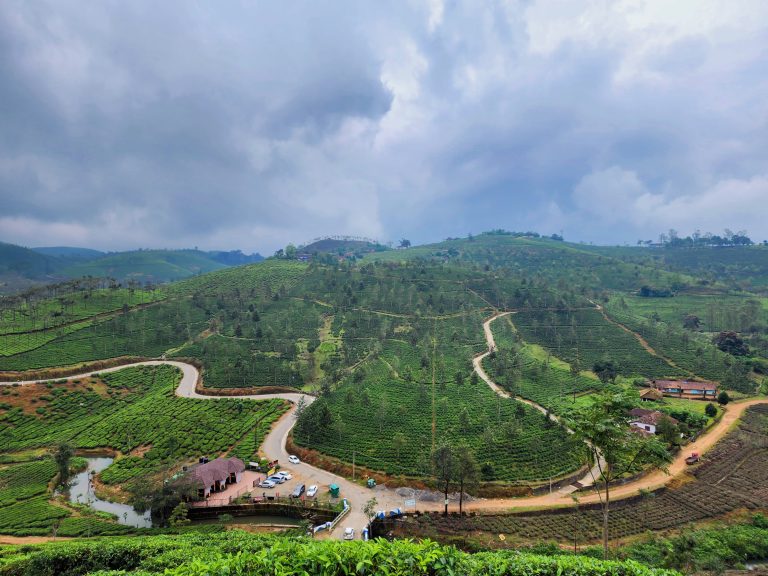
(707, 550)
(585, 336)
(237, 552)
(140, 409)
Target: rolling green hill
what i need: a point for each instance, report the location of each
(22, 267)
(387, 342)
(154, 266)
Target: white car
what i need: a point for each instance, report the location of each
(349, 533)
(266, 484)
(294, 459)
(284, 474)
(312, 491)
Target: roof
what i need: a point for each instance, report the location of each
(218, 469)
(685, 385)
(651, 393)
(652, 417)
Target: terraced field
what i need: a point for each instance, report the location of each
(586, 337)
(734, 476)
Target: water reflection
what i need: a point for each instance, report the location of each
(81, 492)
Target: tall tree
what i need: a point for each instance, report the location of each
(604, 427)
(62, 456)
(467, 471)
(443, 467)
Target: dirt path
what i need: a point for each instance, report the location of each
(643, 342)
(477, 362)
(275, 442)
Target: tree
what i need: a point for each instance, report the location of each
(405, 243)
(731, 343)
(691, 322)
(467, 471)
(161, 498)
(723, 398)
(62, 456)
(443, 467)
(710, 410)
(179, 515)
(604, 428)
(606, 371)
(370, 509)
(668, 431)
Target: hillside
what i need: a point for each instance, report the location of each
(389, 346)
(156, 266)
(21, 268)
(69, 252)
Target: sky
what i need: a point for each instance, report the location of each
(249, 125)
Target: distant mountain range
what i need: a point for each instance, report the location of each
(22, 267)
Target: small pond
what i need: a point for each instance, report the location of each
(81, 492)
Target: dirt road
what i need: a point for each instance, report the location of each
(274, 448)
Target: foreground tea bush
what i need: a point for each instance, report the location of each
(239, 553)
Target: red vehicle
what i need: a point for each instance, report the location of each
(693, 458)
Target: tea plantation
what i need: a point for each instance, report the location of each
(132, 408)
(246, 554)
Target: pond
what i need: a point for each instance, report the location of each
(81, 492)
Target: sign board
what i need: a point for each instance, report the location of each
(411, 503)
(446, 501)
(271, 471)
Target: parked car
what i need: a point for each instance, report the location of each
(312, 491)
(298, 491)
(277, 479)
(693, 458)
(294, 459)
(266, 484)
(349, 533)
(284, 473)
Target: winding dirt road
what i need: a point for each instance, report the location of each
(591, 475)
(274, 448)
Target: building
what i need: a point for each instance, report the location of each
(686, 389)
(215, 475)
(650, 395)
(648, 420)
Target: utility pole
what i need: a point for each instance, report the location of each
(353, 465)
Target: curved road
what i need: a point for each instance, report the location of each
(274, 447)
(591, 475)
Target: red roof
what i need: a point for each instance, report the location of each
(652, 417)
(685, 385)
(220, 469)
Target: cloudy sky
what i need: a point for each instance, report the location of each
(253, 124)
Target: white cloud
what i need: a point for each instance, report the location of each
(618, 196)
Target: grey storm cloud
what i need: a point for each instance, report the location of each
(250, 125)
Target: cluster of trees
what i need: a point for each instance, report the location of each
(529, 234)
(455, 466)
(731, 343)
(672, 239)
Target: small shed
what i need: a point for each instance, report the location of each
(650, 395)
(334, 489)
